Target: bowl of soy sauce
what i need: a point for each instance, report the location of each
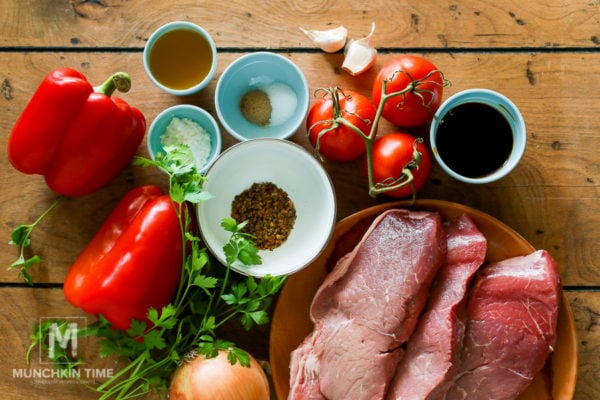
(478, 136)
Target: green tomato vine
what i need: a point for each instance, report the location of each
(406, 176)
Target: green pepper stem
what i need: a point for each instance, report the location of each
(120, 81)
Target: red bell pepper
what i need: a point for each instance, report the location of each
(133, 263)
(76, 135)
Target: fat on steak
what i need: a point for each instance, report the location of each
(435, 346)
(511, 330)
(367, 307)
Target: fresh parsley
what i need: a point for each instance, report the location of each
(209, 296)
(21, 236)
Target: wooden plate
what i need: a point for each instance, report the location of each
(291, 322)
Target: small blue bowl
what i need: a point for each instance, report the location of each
(194, 113)
(265, 71)
(185, 26)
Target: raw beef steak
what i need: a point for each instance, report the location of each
(511, 330)
(435, 346)
(367, 307)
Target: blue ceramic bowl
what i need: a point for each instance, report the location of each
(275, 75)
(194, 113)
(501, 104)
(188, 26)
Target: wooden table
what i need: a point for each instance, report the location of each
(544, 55)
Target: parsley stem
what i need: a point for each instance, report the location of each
(225, 281)
(183, 227)
(21, 236)
(206, 299)
(123, 371)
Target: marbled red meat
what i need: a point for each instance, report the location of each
(486, 340)
(367, 307)
(435, 346)
(512, 316)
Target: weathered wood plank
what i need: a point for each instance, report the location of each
(552, 198)
(585, 306)
(23, 308)
(542, 55)
(274, 24)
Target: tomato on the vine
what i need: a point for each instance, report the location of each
(417, 106)
(392, 153)
(333, 139)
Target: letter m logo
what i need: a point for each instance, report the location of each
(62, 338)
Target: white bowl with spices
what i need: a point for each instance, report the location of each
(270, 170)
(189, 125)
(262, 95)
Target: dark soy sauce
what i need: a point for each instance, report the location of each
(474, 139)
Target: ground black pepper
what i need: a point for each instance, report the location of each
(270, 213)
(256, 107)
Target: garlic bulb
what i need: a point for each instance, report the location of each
(359, 54)
(330, 40)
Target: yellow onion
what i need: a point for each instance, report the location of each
(200, 378)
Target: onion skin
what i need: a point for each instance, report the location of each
(216, 379)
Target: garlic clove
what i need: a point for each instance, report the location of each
(330, 40)
(360, 54)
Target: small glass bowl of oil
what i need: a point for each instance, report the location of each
(478, 136)
(180, 57)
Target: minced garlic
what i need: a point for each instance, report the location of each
(190, 133)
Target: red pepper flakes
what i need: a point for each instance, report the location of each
(270, 213)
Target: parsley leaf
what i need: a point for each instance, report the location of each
(21, 236)
(167, 318)
(209, 296)
(205, 282)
